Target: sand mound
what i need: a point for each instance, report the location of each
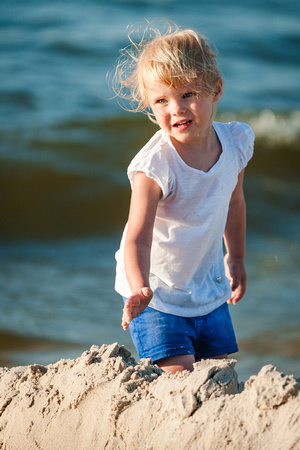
(106, 400)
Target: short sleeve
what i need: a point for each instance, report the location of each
(153, 162)
(243, 137)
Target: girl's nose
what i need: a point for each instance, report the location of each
(178, 107)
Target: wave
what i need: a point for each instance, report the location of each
(11, 342)
(16, 349)
(271, 129)
(105, 145)
(277, 142)
(70, 180)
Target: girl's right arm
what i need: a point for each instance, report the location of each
(144, 200)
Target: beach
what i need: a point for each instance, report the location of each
(106, 399)
(65, 145)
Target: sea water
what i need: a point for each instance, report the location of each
(64, 148)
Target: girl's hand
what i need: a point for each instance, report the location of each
(236, 274)
(135, 304)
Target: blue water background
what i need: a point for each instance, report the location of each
(64, 148)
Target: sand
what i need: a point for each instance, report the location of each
(106, 400)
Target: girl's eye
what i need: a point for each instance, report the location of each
(161, 101)
(188, 95)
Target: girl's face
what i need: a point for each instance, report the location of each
(182, 112)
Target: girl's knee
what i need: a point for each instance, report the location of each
(176, 363)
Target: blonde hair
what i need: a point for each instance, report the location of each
(175, 57)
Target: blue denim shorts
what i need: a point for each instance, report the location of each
(158, 335)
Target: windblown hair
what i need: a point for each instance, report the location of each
(175, 57)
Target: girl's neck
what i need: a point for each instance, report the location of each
(202, 156)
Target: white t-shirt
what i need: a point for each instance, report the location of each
(187, 272)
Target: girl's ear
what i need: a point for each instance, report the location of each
(218, 90)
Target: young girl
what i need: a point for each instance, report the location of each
(187, 194)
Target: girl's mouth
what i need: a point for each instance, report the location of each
(182, 124)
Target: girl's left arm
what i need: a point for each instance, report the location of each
(234, 238)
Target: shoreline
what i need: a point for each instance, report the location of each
(282, 352)
(106, 399)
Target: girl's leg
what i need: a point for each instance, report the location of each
(179, 363)
(176, 363)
